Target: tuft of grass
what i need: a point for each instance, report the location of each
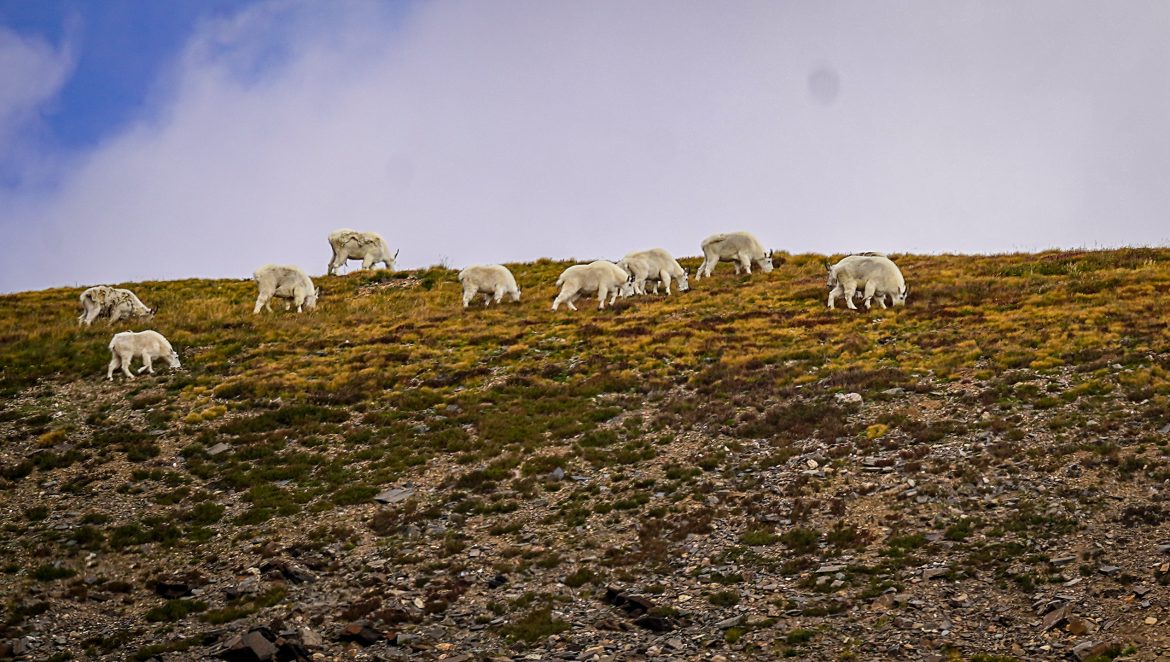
(759, 537)
(724, 598)
(534, 626)
(580, 577)
(174, 610)
(50, 572)
(800, 540)
(799, 636)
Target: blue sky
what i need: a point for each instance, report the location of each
(121, 48)
(157, 139)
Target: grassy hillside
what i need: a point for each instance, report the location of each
(1007, 459)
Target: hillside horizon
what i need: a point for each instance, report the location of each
(444, 263)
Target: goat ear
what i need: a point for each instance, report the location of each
(828, 266)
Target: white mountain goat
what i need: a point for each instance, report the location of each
(741, 248)
(111, 302)
(876, 275)
(603, 277)
(638, 268)
(493, 281)
(150, 345)
(369, 247)
(284, 282)
(656, 265)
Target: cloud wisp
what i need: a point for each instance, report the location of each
(32, 72)
(488, 132)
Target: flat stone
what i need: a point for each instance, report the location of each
(288, 570)
(251, 647)
(729, 622)
(1087, 650)
(936, 573)
(1078, 626)
(245, 587)
(172, 589)
(831, 568)
(394, 495)
(361, 633)
(310, 638)
(1055, 617)
(1108, 570)
(218, 449)
(636, 605)
(653, 623)
(179, 585)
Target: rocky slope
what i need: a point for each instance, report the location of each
(733, 473)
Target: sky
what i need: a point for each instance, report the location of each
(203, 138)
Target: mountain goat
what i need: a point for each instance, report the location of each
(877, 276)
(369, 247)
(656, 265)
(285, 282)
(113, 303)
(150, 345)
(602, 276)
(741, 248)
(490, 280)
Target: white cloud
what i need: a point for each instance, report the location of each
(500, 131)
(32, 72)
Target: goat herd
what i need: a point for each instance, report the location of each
(871, 275)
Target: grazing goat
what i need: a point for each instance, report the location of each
(285, 282)
(740, 248)
(113, 303)
(656, 265)
(875, 274)
(150, 345)
(493, 281)
(369, 247)
(603, 277)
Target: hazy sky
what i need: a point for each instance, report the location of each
(143, 140)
